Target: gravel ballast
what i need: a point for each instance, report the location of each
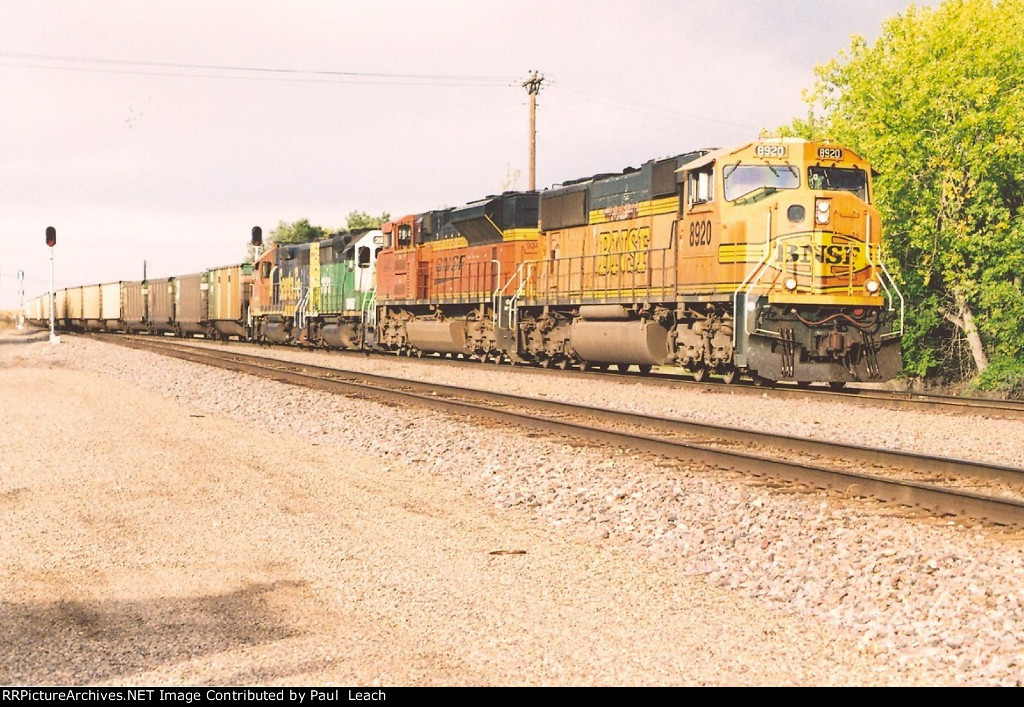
(169, 523)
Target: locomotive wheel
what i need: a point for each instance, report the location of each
(699, 374)
(645, 368)
(762, 382)
(623, 367)
(564, 363)
(837, 385)
(586, 365)
(731, 376)
(547, 363)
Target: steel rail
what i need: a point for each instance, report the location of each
(488, 405)
(892, 400)
(668, 376)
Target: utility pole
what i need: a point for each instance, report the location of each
(532, 86)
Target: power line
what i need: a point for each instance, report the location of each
(649, 109)
(133, 66)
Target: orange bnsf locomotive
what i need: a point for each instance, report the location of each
(764, 260)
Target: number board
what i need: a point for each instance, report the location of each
(830, 153)
(772, 151)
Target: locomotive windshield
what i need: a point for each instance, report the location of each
(838, 179)
(756, 181)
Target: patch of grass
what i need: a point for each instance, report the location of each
(1004, 377)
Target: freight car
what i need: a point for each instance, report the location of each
(763, 260)
(213, 304)
(230, 288)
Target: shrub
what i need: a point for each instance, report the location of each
(1005, 377)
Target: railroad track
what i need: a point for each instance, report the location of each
(938, 485)
(666, 376)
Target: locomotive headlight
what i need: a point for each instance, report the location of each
(790, 283)
(871, 286)
(822, 210)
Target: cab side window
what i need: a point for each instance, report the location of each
(700, 186)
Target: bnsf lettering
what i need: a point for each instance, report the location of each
(824, 254)
(450, 266)
(700, 233)
(623, 251)
(290, 286)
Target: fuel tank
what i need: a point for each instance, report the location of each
(639, 341)
(444, 336)
(341, 336)
(277, 332)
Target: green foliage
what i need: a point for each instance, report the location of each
(1005, 376)
(297, 232)
(302, 232)
(361, 221)
(937, 106)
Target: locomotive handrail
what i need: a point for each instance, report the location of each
(513, 314)
(368, 312)
(496, 296)
(513, 311)
(300, 308)
(887, 282)
(578, 276)
(893, 334)
(748, 281)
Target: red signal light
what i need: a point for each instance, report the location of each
(51, 236)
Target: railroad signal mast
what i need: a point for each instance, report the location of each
(51, 241)
(21, 299)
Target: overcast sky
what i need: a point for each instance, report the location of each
(163, 131)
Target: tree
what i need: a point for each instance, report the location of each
(937, 105)
(297, 232)
(361, 221)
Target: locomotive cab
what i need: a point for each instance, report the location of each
(787, 229)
